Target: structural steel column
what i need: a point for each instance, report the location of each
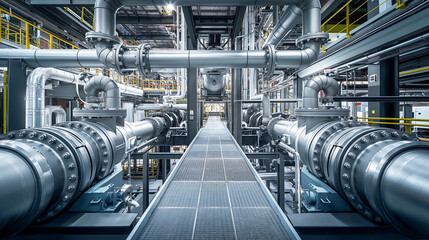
(383, 80)
(235, 97)
(16, 90)
(145, 186)
(281, 182)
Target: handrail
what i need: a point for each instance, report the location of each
(407, 122)
(29, 39)
(350, 26)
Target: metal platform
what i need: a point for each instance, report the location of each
(213, 193)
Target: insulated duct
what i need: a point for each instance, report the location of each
(35, 93)
(57, 111)
(35, 96)
(43, 170)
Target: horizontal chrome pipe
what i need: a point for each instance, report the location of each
(43, 170)
(380, 171)
(164, 58)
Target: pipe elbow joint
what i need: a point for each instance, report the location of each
(309, 55)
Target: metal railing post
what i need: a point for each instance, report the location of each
(0, 26)
(348, 21)
(408, 127)
(27, 36)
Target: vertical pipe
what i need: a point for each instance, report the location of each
(281, 182)
(298, 181)
(145, 181)
(5, 102)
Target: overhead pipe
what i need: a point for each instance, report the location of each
(328, 85)
(58, 111)
(181, 73)
(98, 84)
(111, 53)
(290, 18)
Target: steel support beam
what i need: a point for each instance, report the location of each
(166, 2)
(235, 99)
(383, 99)
(262, 155)
(143, 20)
(145, 186)
(213, 21)
(165, 155)
(238, 21)
(148, 37)
(16, 92)
(190, 23)
(281, 182)
(211, 31)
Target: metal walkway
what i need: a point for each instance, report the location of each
(213, 193)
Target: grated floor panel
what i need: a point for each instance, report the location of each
(213, 195)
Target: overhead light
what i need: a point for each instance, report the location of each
(170, 7)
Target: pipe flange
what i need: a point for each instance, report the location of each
(71, 180)
(168, 121)
(156, 125)
(270, 53)
(317, 146)
(312, 37)
(105, 149)
(142, 60)
(94, 37)
(350, 160)
(271, 124)
(118, 50)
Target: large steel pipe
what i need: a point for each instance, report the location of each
(378, 170)
(43, 170)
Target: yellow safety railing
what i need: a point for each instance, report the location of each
(84, 15)
(407, 122)
(24, 33)
(344, 25)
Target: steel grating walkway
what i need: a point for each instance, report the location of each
(213, 193)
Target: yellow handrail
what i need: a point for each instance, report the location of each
(407, 122)
(350, 26)
(13, 31)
